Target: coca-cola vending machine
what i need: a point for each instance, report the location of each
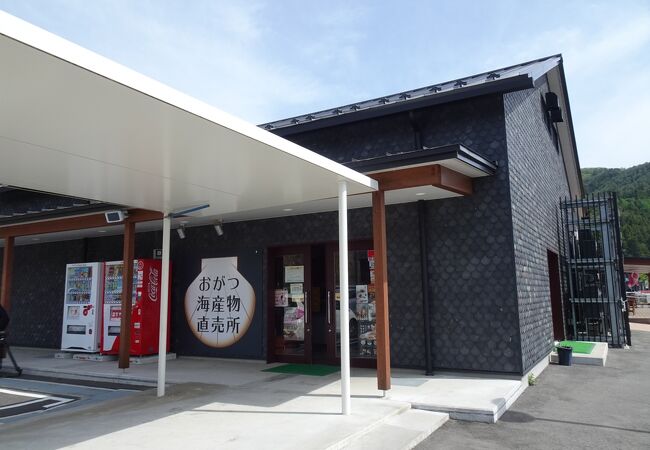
(145, 313)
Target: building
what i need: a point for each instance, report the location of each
(472, 170)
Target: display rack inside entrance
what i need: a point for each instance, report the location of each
(592, 263)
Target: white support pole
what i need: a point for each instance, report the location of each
(164, 302)
(345, 300)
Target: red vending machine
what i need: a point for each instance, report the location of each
(145, 313)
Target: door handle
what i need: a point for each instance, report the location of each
(306, 308)
(329, 315)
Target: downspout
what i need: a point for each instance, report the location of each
(424, 267)
(417, 134)
(85, 249)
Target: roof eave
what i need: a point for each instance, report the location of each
(570, 123)
(428, 155)
(58, 213)
(510, 84)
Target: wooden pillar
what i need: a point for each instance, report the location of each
(381, 289)
(127, 292)
(7, 273)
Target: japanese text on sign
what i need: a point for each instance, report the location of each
(219, 304)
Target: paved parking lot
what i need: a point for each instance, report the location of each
(576, 407)
(28, 398)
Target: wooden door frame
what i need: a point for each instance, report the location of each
(330, 249)
(557, 310)
(274, 252)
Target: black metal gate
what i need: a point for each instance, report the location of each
(592, 270)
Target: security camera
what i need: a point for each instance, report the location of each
(114, 216)
(181, 231)
(218, 227)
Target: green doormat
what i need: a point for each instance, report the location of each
(579, 347)
(317, 370)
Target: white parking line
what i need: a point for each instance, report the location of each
(57, 401)
(21, 393)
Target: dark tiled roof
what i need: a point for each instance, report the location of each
(18, 205)
(531, 69)
(425, 155)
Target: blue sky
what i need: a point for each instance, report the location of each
(264, 60)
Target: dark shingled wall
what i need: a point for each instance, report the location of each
(537, 180)
(471, 265)
(37, 292)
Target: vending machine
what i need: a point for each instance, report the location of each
(81, 307)
(145, 303)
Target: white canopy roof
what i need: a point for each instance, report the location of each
(75, 123)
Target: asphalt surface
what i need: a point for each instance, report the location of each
(27, 398)
(576, 407)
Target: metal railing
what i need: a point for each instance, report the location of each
(592, 270)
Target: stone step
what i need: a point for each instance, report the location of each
(597, 357)
(400, 432)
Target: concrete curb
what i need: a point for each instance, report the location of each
(400, 431)
(345, 442)
(86, 376)
(598, 356)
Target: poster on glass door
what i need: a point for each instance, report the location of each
(294, 323)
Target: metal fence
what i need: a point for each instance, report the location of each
(592, 270)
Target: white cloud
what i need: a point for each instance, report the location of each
(216, 52)
(608, 71)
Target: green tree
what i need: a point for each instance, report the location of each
(633, 188)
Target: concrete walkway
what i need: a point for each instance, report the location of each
(462, 396)
(286, 411)
(217, 403)
(578, 407)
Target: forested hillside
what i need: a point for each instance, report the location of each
(633, 188)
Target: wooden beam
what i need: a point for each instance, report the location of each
(127, 292)
(74, 223)
(54, 226)
(381, 290)
(454, 181)
(407, 178)
(434, 174)
(7, 273)
(144, 215)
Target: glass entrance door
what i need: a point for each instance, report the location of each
(362, 311)
(290, 327)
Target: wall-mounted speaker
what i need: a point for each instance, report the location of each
(553, 107)
(551, 101)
